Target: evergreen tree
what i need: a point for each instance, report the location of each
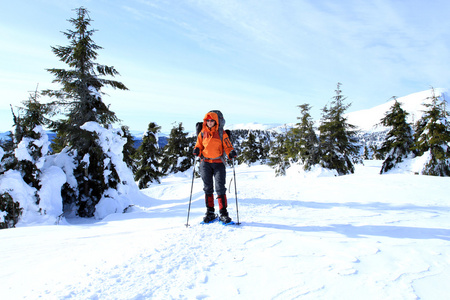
(81, 99)
(305, 144)
(433, 135)
(263, 139)
(291, 142)
(30, 139)
(129, 151)
(338, 140)
(178, 156)
(399, 140)
(278, 157)
(149, 157)
(8, 159)
(10, 211)
(376, 152)
(251, 150)
(29, 145)
(366, 154)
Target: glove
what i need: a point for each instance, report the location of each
(196, 151)
(232, 154)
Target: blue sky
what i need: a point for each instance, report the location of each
(255, 60)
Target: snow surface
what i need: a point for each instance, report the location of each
(303, 236)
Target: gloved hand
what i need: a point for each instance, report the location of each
(232, 154)
(196, 151)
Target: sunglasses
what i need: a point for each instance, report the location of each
(210, 120)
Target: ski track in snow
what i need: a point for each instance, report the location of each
(308, 242)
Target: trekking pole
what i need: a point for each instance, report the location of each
(190, 197)
(235, 193)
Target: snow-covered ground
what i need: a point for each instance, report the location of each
(303, 236)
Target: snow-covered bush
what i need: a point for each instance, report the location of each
(116, 173)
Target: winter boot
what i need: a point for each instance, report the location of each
(224, 216)
(223, 208)
(210, 215)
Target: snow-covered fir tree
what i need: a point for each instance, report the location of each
(251, 150)
(10, 210)
(129, 150)
(338, 139)
(264, 137)
(30, 146)
(32, 140)
(177, 153)
(149, 158)
(81, 98)
(432, 136)
(25, 148)
(366, 154)
(278, 156)
(304, 146)
(376, 152)
(7, 151)
(399, 141)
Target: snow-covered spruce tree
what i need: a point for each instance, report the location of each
(251, 150)
(278, 156)
(129, 150)
(148, 158)
(262, 145)
(366, 154)
(177, 154)
(8, 159)
(376, 152)
(31, 139)
(338, 139)
(10, 211)
(433, 135)
(265, 149)
(399, 140)
(29, 147)
(304, 146)
(80, 98)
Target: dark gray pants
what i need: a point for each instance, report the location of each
(216, 170)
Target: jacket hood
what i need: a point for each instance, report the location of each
(211, 115)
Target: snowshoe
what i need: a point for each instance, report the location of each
(227, 224)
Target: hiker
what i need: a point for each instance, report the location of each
(211, 147)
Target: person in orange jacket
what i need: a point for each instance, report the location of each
(210, 148)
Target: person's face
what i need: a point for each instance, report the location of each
(210, 123)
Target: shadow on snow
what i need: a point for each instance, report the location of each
(352, 231)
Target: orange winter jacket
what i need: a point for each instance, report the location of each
(208, 140)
